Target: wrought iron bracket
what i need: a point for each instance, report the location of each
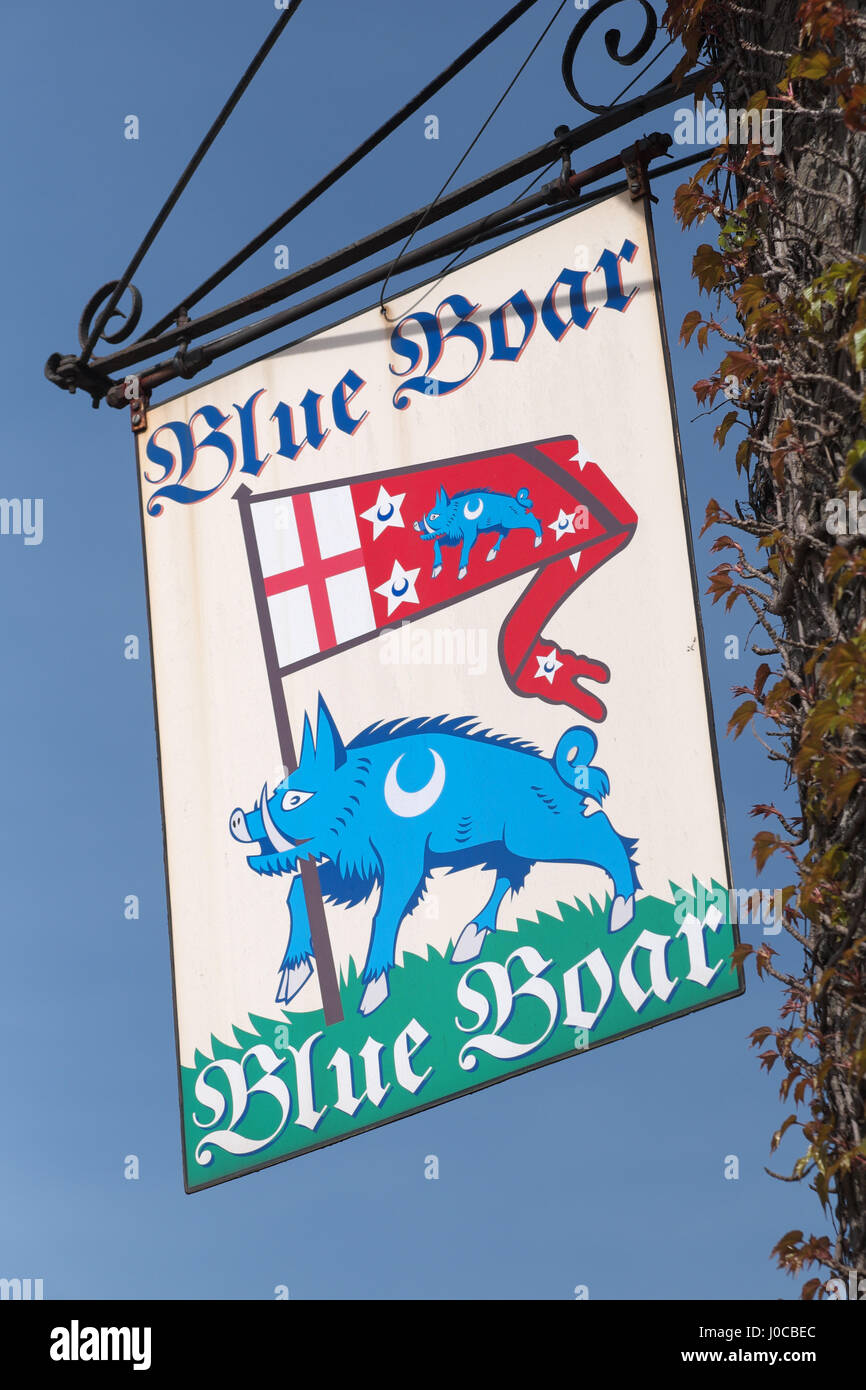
(635, 160)
(566, 173)
(571, 186)
(138, 413)
(66, 371)
(104, 378)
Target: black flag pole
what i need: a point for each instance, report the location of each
(325, 967)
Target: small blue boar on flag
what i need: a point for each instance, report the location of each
(462, 519)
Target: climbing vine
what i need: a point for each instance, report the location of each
(785, 273)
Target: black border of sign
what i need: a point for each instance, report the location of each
(723, 824)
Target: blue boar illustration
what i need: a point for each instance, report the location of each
(409, 796)
(461, 519)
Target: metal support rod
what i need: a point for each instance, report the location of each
(512, 218)
(338, 261)
(202, 357)
(116, 294)
(334, 175)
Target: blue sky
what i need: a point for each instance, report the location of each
(606, 1171)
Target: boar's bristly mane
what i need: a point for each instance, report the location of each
(462, 726)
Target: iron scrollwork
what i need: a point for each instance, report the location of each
(130, 320)
(612, 41)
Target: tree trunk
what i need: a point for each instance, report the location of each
(787, 221)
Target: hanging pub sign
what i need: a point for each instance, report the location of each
(439, 782)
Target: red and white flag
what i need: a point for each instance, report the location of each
(339, 562)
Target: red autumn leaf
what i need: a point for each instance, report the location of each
(741, 716)
(690, 323)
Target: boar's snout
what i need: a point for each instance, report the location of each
(238, 826)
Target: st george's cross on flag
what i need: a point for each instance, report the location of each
(340, 562)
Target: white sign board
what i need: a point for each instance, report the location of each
(439, 784)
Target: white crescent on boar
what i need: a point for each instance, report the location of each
(404, 803)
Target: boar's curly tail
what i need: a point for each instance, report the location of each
(523, 498)
(574, 753)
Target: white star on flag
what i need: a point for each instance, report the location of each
(400, 588)
(385, 512)
(564, 523)
(548, 665)
(581, 463)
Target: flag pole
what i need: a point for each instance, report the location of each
(325, 967)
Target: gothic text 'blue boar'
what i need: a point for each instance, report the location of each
(401, 799)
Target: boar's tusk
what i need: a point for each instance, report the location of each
(278, 841)
(414, 803)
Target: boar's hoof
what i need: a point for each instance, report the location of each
(293, 981)
(461, 573)
(538, 540)
(375, 994)
(437, 569)
(492, 554)
(621, 913)
(469, 943)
